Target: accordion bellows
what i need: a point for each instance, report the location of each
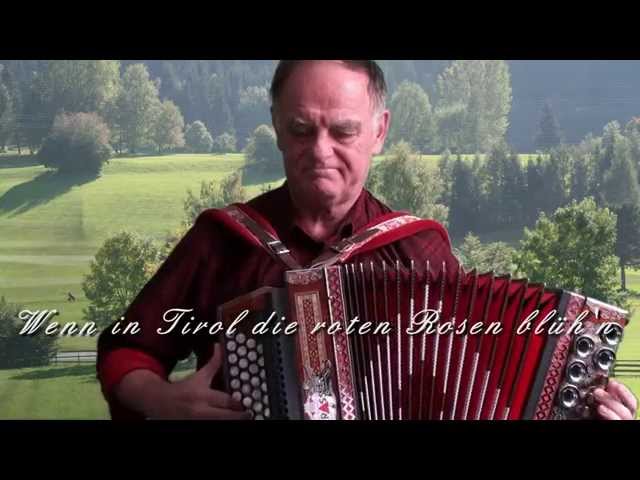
(388, 342)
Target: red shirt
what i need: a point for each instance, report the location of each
(212, 265)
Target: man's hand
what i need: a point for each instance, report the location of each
(189, 398)
(616, 403)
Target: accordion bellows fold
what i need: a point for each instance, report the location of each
(390, 342)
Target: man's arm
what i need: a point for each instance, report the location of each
(133, 368)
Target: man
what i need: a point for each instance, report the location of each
(330, 120)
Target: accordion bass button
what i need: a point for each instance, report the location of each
(569, 396)
(242, 351)
(244, 376)
(267, 412)
(261, 361)
(252, 356)
(246, 389)
(234, 371)
(240, 338)
(237, 396)
(235, 384)
(253, 369)
(259, 348)
(246, 402)
(584, 346)
(243, 363)
(231, 345)
(611, 334)
(255, 382)
(604, 358)
(233, 358)
(251, 343)
(577, 371)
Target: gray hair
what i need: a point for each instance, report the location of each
(377, 84)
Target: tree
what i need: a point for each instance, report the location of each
(549, 134)
(496, 256)
(214, 195)
(121, 267)
(20, 351)
(573, 249)
(262, 154)
(79, 142)
(413, 120)
(627, 246)
(253, 109)
(466, 199)
(474, 99)
(136, 106)
(620, 183)
(407, 183)
(198, 138)
(224, 143)
(168, 127)
(8, 107)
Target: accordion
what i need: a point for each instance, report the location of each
(378, 341)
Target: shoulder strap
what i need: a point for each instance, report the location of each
(384, 230)
(262, 235)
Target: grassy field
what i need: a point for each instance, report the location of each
(50, 229)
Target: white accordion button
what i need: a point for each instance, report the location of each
(240, 338)
(242, 351)
(251, 343)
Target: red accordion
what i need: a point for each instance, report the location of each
(396, 342)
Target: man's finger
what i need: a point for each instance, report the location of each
(607, 414)
(612, 404)
(217, 399)
(209, 370)
(214, 413)
(623, 394)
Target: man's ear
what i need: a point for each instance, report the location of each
(274, 123)
(382, 128)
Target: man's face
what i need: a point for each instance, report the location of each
(327, 130)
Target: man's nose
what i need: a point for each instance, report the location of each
(322, 146)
